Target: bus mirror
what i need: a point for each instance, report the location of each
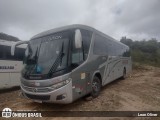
(26, 52)
(16, 44)
(78, 39)
(12, 49)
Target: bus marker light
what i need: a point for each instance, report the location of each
(83, 75)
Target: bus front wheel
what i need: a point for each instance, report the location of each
(96, 87)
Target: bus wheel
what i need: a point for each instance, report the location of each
(96, 87)
(124, 74)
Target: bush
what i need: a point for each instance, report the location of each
(145, 52)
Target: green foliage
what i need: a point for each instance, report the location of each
(145, 52)
(7, 37)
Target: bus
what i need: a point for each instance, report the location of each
(67, 63)
(10, 66)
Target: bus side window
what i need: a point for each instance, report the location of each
(126, 53)
(77, 54)
(7, 54)
(1, 52)
(86, 38)
(19, 54)
(100, 46)
(77, 57)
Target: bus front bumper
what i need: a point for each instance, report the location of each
(61, 95)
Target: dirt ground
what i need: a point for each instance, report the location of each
(140, 91)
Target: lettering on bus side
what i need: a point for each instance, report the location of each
(6, 67)
(52, 38)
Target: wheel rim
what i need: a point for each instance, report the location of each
(95, 86)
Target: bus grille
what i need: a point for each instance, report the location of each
(38, 97)
(33, 89)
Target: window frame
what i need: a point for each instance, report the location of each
(6, 53)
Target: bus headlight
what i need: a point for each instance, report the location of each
(60, 84)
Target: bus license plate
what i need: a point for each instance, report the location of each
(38, 101)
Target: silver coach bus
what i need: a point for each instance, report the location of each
(64, 64)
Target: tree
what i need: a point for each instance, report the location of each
(147, 52)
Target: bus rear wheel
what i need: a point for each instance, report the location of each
(124, 74)
(96, 87)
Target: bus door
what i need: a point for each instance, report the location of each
(79, 76)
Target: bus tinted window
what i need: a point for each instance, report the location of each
(98, 45)
(77, 54)
(1, 51)
(19, 54)
(5, 53)
(105, 46)
(126, 53)
(112, 49)
(101, 45)
(86, 36)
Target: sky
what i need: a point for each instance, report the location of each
(135, 19)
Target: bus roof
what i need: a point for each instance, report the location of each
(10, 43)
(74, 26)
(48, 32)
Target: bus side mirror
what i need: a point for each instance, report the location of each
(12, 49)
(78, 39)
(16, 44)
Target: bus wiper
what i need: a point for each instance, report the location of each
(57, 61)
(33, 60)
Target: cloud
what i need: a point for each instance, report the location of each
(137, 19)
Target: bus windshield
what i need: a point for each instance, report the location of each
(47, 54)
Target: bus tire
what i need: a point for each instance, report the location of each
(96, 87)
(124, 74)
